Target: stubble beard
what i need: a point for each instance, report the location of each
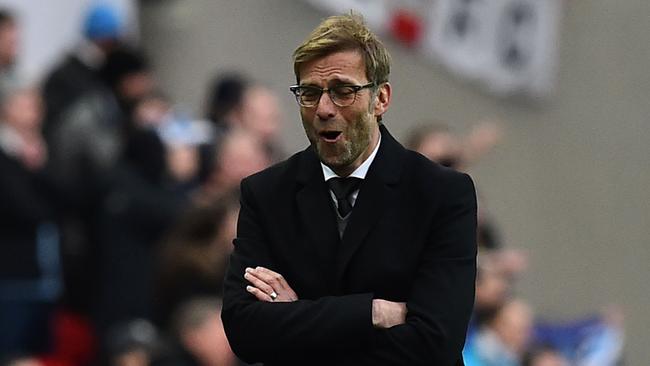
(357, 141)
(345, 153)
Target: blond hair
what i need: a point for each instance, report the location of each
(343, 33)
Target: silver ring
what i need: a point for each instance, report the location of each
(273, 295)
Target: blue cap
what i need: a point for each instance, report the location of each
(102, 22)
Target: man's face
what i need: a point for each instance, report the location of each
(260, 113)
(342, 136)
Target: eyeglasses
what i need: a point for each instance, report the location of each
(341, 95)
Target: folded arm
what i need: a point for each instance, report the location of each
(270, 286)
(282, 331)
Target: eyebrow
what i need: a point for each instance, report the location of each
(333, 82)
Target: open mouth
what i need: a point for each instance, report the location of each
(330, 136)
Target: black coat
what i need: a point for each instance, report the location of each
(27, 201)
(411, 237)
(71, 80)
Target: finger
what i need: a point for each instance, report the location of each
(265, 277)
(257, 282)
(259, 294)
(274, 279)
(277, 281)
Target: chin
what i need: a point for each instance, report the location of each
(330, 162)
(336, 162)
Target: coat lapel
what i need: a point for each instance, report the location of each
(316, 212)
(375, 197)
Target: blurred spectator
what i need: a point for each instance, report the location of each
(594, 340)
(260, 115)
(503, 339)
(133, 343)
(9, 34)
(239, 155)
(89, 137)
(493, 287)
(194, 255)
(199, 336)
(235, 102)
(85, 145)
(138, 208)
(225, 96)
(188, 143)
(591, 341)
(129, 76)
(79, 72)
(436, 142)
(30, 279)
(439, 144)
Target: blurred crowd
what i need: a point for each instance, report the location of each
(118, 213)
(504, 330)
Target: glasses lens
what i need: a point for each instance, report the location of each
(309, 96)
(343, 95)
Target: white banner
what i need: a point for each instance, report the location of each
(508, 45)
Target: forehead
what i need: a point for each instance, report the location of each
(343, 65)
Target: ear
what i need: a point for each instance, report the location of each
(382, 100)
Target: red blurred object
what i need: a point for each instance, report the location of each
(74, 341)
(406, 27)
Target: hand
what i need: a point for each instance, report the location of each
(386, 314)
(267, 283)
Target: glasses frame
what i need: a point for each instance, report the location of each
(357, 88)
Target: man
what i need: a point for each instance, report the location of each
(79, 73)
(389, 283)
(30, 280)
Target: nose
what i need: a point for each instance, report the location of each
(326, 109)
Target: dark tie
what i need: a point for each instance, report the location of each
(343, 188)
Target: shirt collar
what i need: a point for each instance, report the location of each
(359, 172)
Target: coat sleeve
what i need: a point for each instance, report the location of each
(284, 332)
(442, 297)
